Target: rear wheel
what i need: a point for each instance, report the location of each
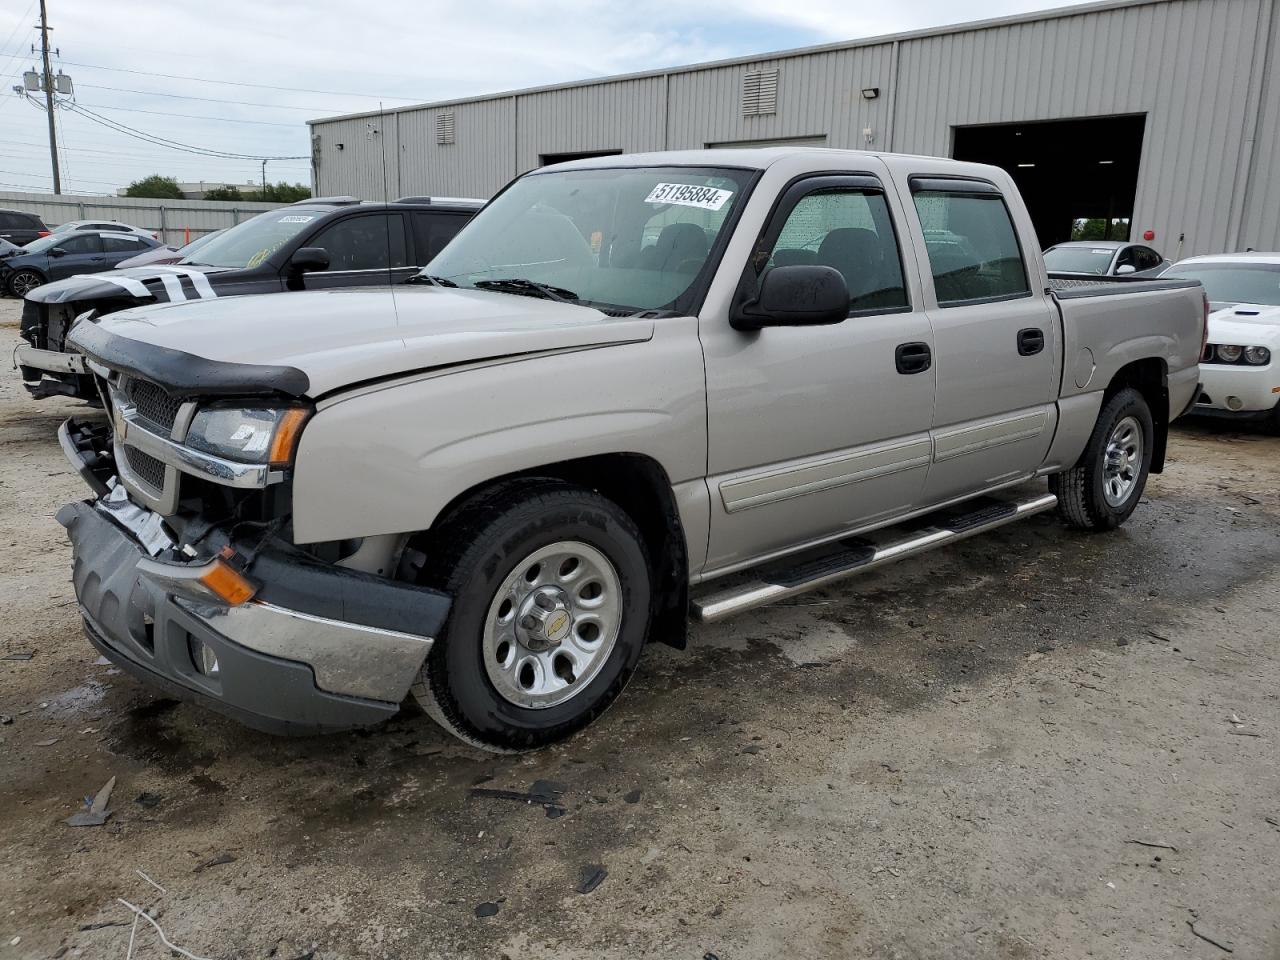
(24, 281)
(551, 598)
(1105, 485)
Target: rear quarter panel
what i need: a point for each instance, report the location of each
(1103, 333)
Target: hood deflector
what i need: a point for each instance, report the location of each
(183, 374)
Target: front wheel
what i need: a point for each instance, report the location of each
(1106, 483)
(24, 281)
(551, 597)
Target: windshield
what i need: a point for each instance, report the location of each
(1233, 282)
(1092, 260)
(631, 239)
(250, 243)
(43, 244)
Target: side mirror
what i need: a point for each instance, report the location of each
(309, 260)
(57, 252)
(796, 296)
(1125, 268)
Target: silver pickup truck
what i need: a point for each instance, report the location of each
(633, 390)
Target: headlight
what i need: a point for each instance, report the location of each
(1257, 355)
(248, 434)
(1229, 353)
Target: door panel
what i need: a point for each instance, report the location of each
(83, 255)
(812, 430)
(996, 342)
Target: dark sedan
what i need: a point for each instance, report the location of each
(61, 255)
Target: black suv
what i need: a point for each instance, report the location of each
(311, 245)
(21, 228)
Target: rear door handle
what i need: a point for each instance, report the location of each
(913, 358)
(1030, 341)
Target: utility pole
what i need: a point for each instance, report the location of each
(48, 95)
(264, 176)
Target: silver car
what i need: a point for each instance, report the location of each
(1104, 258)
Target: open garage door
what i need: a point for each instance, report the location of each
(1075, 175)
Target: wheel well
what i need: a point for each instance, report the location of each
(640, 486)
(1150, 377)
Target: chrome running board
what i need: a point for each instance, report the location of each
(819, 566)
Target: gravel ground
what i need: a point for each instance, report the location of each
(1038, 744)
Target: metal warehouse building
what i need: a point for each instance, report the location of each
(1164, 113)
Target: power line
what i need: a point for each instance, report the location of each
(235, 83)
(194, 116)
(164, 142)
(179, 96)
(39, 147)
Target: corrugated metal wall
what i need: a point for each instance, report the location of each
(629, 116)
(1261, 202)
(1194, 68)
(172, 220)
(479, 161)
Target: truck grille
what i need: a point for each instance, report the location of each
(154, 404)
(145, 467)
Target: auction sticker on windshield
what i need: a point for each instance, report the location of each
(688, 195)
(295, 218)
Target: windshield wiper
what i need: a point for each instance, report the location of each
(434, 281)
(519, 285)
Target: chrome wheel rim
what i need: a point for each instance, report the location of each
(24, 282)
(1122, 462)
(552, 625)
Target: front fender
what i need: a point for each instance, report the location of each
(388, 459)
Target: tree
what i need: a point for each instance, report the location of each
(155, 187)
(223, 193)
(281, 193)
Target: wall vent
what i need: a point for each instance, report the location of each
(759, 93)
(444, 128)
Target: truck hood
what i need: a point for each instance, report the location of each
(1245, 324)
(340, 338)
(141, 283)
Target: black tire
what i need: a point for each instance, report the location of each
(23, 281)
(476, 549)
(1082, 500)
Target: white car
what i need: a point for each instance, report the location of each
(115, 225)
(1240, 368)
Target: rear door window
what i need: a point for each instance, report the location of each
(973, 248)
(432, 232)
(121, 245)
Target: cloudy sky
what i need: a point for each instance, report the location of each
(244, 79)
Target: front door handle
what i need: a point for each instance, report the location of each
(1030, 341)
(913, 358)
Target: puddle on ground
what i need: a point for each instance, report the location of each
(88, 696)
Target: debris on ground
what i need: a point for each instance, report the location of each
(5, 719)
(1154, 846)
(545, 793)
(24, 655)
(95, 813)
(486, 909)
(47, 743)
(592, 876)
(140, 914)
(148, 800)
(1214, 938)
(214, 861)
(150, 881)
(632, 796)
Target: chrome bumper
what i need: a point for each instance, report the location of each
(147, 607)
(51, 361)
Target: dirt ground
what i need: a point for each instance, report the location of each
(1040, 744)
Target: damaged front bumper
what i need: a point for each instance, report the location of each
(317, 648)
